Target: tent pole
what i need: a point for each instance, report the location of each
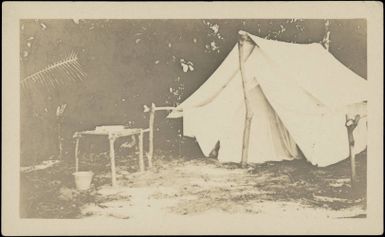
(248, 112)
(351, 124)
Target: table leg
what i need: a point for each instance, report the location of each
(151, 136)
(112, 157)
(77, 154)
(141, 163)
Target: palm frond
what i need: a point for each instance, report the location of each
(56, 74)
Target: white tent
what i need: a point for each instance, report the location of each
(299, 96)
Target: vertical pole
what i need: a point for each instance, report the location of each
(59, 118)
(353, 164)
(248, 112)
(60, 139)
(112, 157)
(326, 40)
(151, 135)
(77, 137)
(350, 126)
(141, 163)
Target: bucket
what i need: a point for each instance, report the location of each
(83, 179)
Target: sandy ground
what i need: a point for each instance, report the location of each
(193, 188)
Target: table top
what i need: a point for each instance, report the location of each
(115, 132)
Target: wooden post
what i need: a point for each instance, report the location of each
(164, 108)
(59, 118)
(141, 163)
(353, 164)
(60, 139)
(112, 157)
(248, 112)
(151, 136)
(351, 124)
(77, 137)
(152, 111)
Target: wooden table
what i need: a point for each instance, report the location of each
(112, 136)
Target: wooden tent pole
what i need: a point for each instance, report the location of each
(351, 124)
(248, 112)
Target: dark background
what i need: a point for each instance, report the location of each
(130, 63)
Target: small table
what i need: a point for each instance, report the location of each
(112, 136)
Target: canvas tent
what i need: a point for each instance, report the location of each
(299, 95)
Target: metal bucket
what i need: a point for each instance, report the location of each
(83, 179)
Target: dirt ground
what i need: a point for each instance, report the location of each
(180, 186)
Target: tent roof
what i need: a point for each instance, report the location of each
(309, 66)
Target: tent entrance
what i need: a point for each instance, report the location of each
(269, 139)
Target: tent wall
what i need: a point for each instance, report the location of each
(317, 128)
(301, 94)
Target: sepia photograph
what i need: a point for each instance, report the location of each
(170, 124)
